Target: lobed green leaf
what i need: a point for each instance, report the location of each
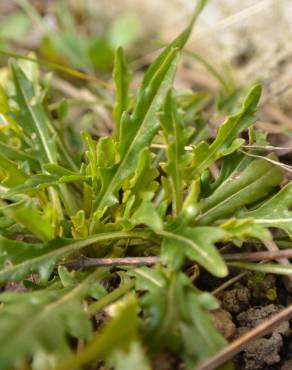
(226, 141)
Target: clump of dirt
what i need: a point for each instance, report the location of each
(100, 318)
(235, 300)
(287, 365)
(165, 361)
(23, 286)
(15, 287)
(262, 351)
(246, 305)
(223, 323)
(255, 315)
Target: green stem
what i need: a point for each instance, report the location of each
(53, 195)
(109, 298)
(210, 69)
(77, 245)
(68, 199)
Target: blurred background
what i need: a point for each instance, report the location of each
(234, 43)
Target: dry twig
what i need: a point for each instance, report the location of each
(83, 263)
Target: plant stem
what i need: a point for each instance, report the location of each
(229, 282)
(258, 256)
(109, 298)
(84, 262)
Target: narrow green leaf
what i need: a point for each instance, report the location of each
(106, 153)
(142, 185)
(39, 321)
(200, 337)
(276, 211)
(176, 135)
(44, 262)
(240, 189)
(15, 154)
(148, 278)
(243, 229)
(32, 117)
(232, 163)
(14, 175)
(226, 140)
(15, 251)
(268, 268)
(24, 214)
(177, 317)
(146, 214)
(34, 184)
(137, 131)
(179, 42)
(122, 79)
(125, 30)
(116, 336)
(56, 169)
(91, 154)
(198, 244)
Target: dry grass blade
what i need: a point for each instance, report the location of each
(267, 147)
(279, 164)
(58, 67)
(282, 255)
(229, 283)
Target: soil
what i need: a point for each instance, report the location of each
(165, 361)
(246, 305)
(262, 351)
(223, 322)
(235, 300)
(287, 365)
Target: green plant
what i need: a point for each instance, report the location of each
(121, 196)
(73, 40)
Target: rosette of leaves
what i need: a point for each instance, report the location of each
(122, 196)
